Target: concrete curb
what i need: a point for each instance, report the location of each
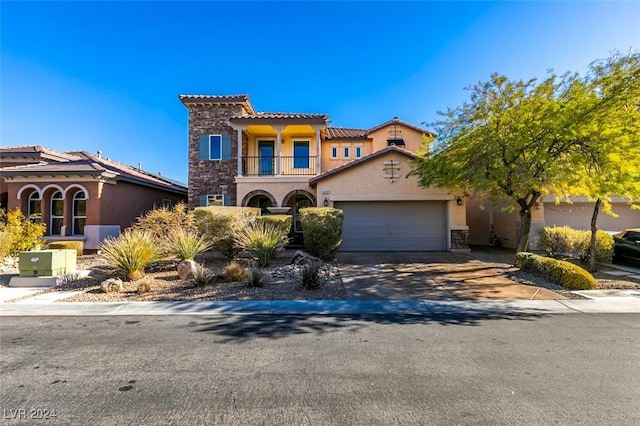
(326, 307)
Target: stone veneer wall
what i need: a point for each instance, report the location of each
(212, 177)
(459, 239)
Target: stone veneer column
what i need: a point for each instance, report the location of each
(211, 177)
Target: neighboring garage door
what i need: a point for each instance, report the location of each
(578, 216)
(393, 225)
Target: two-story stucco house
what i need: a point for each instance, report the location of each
(282, 162)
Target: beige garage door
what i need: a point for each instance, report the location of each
(578, 216)
(393, 226)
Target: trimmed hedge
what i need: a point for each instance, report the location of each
(322, 230)
(564, 273)
(219, 225)
(562, 240)
(78, 246)
(281, 221)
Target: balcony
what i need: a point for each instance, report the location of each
(286, 166)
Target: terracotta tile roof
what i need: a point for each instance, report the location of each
(194, 99)
(280, 116)
(396, 120)
(83, 163)
(346, 133)
(133, 173)
(27, 150)
(314, 180)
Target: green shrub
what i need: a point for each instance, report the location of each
(562, 240)
(161, 221)
(78, 246)
(185, 244)
(131, 252)
(255, 277)
(261, 239)
(563, 273)
(604, 246)
(322, 230)
(234, 272)
(311, 277)
(219, 225)
(18, 233)
(557, 240)
(281, 221)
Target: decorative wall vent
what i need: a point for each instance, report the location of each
(391, 169)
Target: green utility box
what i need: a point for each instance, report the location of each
(47, 263)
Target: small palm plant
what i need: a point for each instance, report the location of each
(185, 244)
(261, 239)
(131, 252)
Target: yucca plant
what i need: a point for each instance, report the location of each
(131, 252)
(185, 244)
(261, 239)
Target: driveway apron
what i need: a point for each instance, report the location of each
(429, 275)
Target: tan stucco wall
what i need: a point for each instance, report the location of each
(482, 213)
(366, 182)
(329, 163)
(277, 187)
(412, 138)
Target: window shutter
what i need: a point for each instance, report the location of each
(226, 147)
(205, 146)
(226, 200)
(203, 201)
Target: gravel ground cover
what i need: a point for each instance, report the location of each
(282, 280)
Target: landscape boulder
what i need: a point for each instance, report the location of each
(112, 285)
(187, 269)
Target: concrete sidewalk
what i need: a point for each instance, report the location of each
(326, 307)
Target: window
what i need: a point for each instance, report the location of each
(358, 151)
(57, 212)
(166, 204)
(215, 200)
(214, 147)
(35, 207)
(301, 155)
(334, 152)
(345, 151)
(79, 212)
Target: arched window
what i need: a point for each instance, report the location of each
(35, 207)
(57, 213)
(79, 212)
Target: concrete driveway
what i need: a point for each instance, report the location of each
(430, 275)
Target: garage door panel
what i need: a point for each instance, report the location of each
(393, 226)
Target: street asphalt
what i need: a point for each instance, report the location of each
(459, 369)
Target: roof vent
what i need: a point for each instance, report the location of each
(99, 154)
(139, 165)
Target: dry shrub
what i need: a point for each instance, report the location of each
(234, 272)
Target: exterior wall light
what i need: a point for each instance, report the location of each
(326, 202)
(459, 201)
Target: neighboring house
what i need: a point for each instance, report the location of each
(482, 217)
(282, 162)
(79, 195)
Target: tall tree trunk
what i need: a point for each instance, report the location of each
(525, 219)
(525, 227)
(594, 231)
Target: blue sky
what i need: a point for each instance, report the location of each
(107, 75)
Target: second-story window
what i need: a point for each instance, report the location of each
(345, 152)
(301, 155)
(214, 147)
(334, 152)
(358, 151)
